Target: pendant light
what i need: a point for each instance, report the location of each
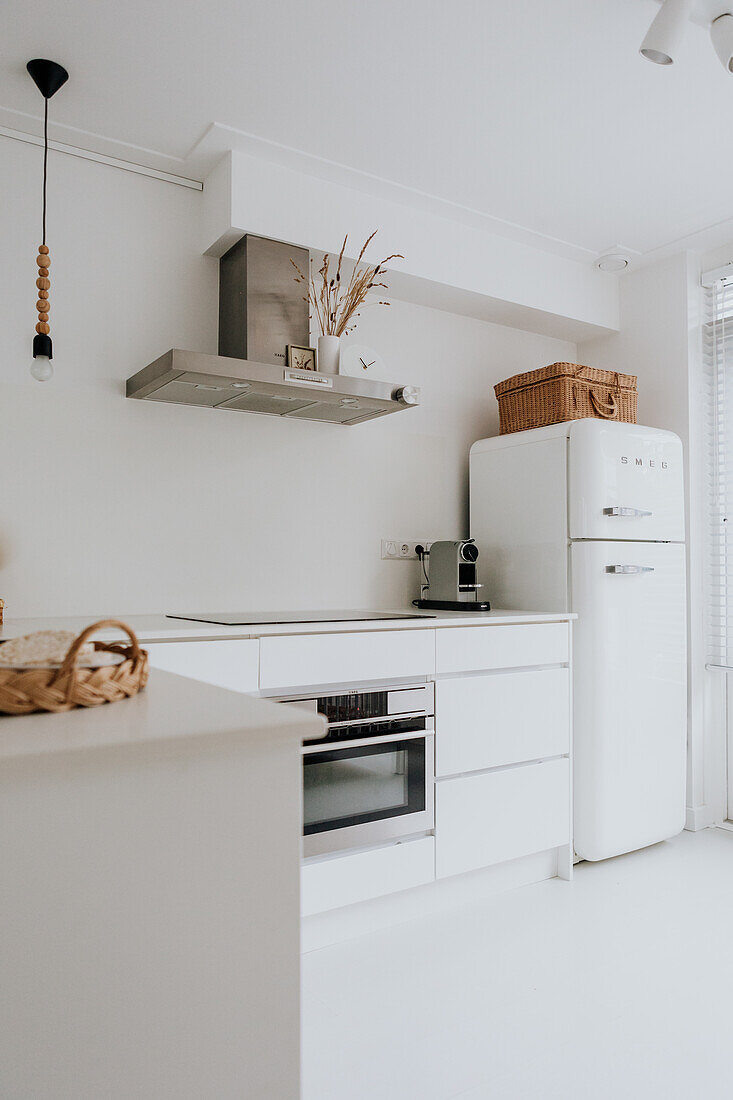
(48, 77)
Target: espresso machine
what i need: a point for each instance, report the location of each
(450, 577)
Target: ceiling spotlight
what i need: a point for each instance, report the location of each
(614, 259)
(721, 33)
(663, 37)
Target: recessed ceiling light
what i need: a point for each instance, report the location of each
(615, 259)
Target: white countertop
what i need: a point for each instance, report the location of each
(177, 707)
(159, 628)
(170, 708)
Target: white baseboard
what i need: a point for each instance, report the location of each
(699, 817)
(338, 925)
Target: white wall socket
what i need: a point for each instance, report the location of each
(401, 549)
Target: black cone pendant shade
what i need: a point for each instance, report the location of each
(49, 76)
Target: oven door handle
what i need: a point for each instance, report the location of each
(354, 743)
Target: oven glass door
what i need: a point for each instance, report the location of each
(354, 785)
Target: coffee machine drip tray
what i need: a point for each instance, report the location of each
(278, 618)
(453, 605)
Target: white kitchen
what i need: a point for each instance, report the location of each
(364, 625)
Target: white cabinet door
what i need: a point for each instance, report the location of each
(630, 725)
(495, 816)
(475, 648)
(315, 659)
(501, 718)
(229, 664)
(356, 876)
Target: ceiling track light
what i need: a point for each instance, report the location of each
(665, 34)
(663, 38)
(721, 35)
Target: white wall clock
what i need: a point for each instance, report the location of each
(358, 360)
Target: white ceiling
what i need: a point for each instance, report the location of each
(540, 113)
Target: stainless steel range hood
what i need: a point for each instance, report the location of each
(261, 311)
(220, 382)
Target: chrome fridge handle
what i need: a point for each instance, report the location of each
(634, 513)
(629, 569)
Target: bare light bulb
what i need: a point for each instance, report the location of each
(42, 368)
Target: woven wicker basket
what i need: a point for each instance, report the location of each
(564, 391)
(23, 691)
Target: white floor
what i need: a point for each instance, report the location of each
(618, 986)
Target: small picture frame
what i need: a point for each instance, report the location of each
(302, 358)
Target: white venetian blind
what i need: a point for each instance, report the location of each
(718, 370)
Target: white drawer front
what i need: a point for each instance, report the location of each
(496, 816)
(501, 718)
(474, 648)
(332, 883)
(229, 664)
(308, 660)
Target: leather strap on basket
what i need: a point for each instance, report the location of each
(608, 409)
(69, 667)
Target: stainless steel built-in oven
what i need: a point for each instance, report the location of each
(371, 778)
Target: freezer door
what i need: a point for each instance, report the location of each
(625, 482)
(630, 686)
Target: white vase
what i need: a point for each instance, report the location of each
(329, 353)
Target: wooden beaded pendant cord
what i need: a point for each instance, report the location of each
(48, 77)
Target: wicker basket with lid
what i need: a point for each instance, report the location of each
(564, 391)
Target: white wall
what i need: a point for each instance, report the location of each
(109, 505)
(652, 342)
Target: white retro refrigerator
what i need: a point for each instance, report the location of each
(588, 516)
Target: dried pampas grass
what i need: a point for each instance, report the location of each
(334, 305)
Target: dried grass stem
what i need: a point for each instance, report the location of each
(335, 307)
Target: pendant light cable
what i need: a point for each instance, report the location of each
(45, 163)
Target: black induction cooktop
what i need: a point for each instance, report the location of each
(277, 618)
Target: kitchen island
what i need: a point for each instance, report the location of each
(149, 902)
